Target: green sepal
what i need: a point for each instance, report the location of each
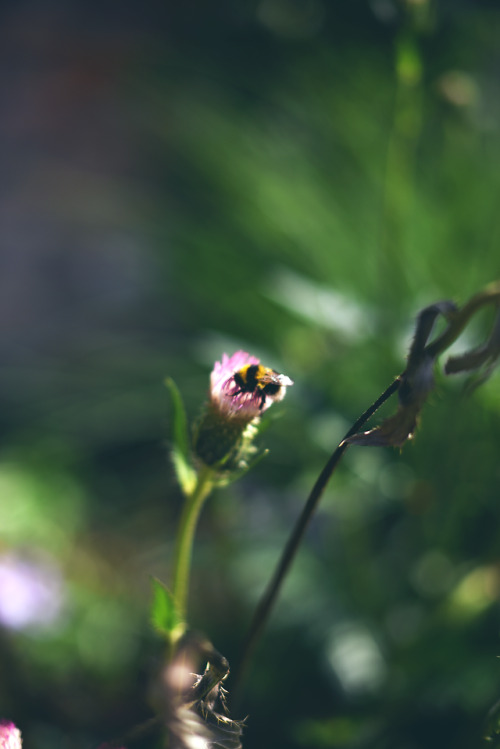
(186, 475)
(230, 477)
(165, 617)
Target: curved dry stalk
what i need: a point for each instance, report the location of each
(414, 385)
(269, 598)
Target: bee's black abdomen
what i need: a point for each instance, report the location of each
(271, 388)
(239, 380)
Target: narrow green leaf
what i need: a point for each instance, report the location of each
(180, 435)
(164, 615)
(185, 473)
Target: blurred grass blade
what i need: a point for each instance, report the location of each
(185, 473)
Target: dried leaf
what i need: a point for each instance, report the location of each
(197, 714)
(416, 382)
(482, 359)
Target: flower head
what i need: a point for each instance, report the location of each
(241, 389)
(10, 736)
(222, 385)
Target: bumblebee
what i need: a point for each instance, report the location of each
(262, 381)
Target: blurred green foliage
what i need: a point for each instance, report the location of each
(295, 179)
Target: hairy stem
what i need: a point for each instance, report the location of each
(185, 536)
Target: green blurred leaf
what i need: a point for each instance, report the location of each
(185, 473)
(493, 725)
(164, 615)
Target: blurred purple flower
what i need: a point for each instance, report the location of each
(30, 592)
(10, 736)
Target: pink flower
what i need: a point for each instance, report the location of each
(243, 388)
(10, 736)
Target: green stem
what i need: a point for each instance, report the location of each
(185, 536)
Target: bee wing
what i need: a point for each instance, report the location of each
(275, 378)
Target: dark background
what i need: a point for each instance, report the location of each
(295, 178)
